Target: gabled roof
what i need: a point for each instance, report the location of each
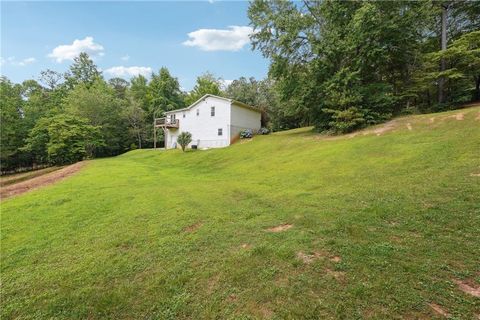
(235, 102)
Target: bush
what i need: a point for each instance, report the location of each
(263, 131)
(184, 139)
(347, 120)
(246, 134)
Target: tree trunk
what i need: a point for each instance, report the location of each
(441, 81)
(139, 140)
(477, 88)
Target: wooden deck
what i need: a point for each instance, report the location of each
(166, 123)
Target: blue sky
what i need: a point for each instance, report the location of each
(126, 38)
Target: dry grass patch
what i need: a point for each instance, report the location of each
(280, 228)
(438, 310)
(468, 288)
(192, 228)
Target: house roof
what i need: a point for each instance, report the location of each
(235, 102)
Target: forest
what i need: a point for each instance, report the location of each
(337, 66)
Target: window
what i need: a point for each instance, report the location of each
(198, 112)
(212, 111)
(220, 131)
(172, 117)
(184, 114)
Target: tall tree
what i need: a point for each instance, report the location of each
(82, 71)
(98, 103)
(12, 124)
(207, 83)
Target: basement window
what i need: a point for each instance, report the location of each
(184, 114)
(198, 112)
(220, 131)
(212, 111)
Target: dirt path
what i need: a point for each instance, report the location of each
(43, 180)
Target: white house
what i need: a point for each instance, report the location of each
(213, 121)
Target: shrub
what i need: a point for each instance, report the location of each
(263, 131)
(246, 134)
(184, 139)
(347, 120)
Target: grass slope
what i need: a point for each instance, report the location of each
(382, 227)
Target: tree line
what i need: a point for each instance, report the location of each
(63, 118)
(343, 65)
(336, 65)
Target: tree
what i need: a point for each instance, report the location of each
(98, 104)
(206, 84)
(184, 139)
(63, 139)
(120, 86)
(12, 125)
(163, 94)
(82, 71)
(360, 52)
(51, 79)
(135, 116)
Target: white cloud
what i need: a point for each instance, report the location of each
(26, 61)
(232, 39)
(125, 57)
(14, 62)
(70, 51)
(121, 71)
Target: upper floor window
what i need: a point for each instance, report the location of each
(198, 112)
(184, 114)
(220, 131)
(212, 111)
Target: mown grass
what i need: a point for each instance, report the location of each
(172, 235)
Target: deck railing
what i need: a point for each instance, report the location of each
(166, 122)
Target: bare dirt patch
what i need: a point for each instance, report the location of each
(193, 227)
(477, 117)
(457, 116)
(338, 275)
(389, 126)
(467, 288)
(432, 120)
(280, 228)
(309, 258)
(232, 298)
(336, 259)
(475, 174)
(245, 246)
(438, 310)
(40, 181)
(409, 126)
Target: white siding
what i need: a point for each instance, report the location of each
(204, 127)
(243, 118)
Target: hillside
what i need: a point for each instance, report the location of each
(378, 224)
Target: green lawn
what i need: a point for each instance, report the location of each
(382, 226)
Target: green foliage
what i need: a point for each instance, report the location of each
(184, 139)
(206, 84)
(12, 125)
(82, 71)
(63, 139)
(368, 55)
(344, 121)
(98, 104)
